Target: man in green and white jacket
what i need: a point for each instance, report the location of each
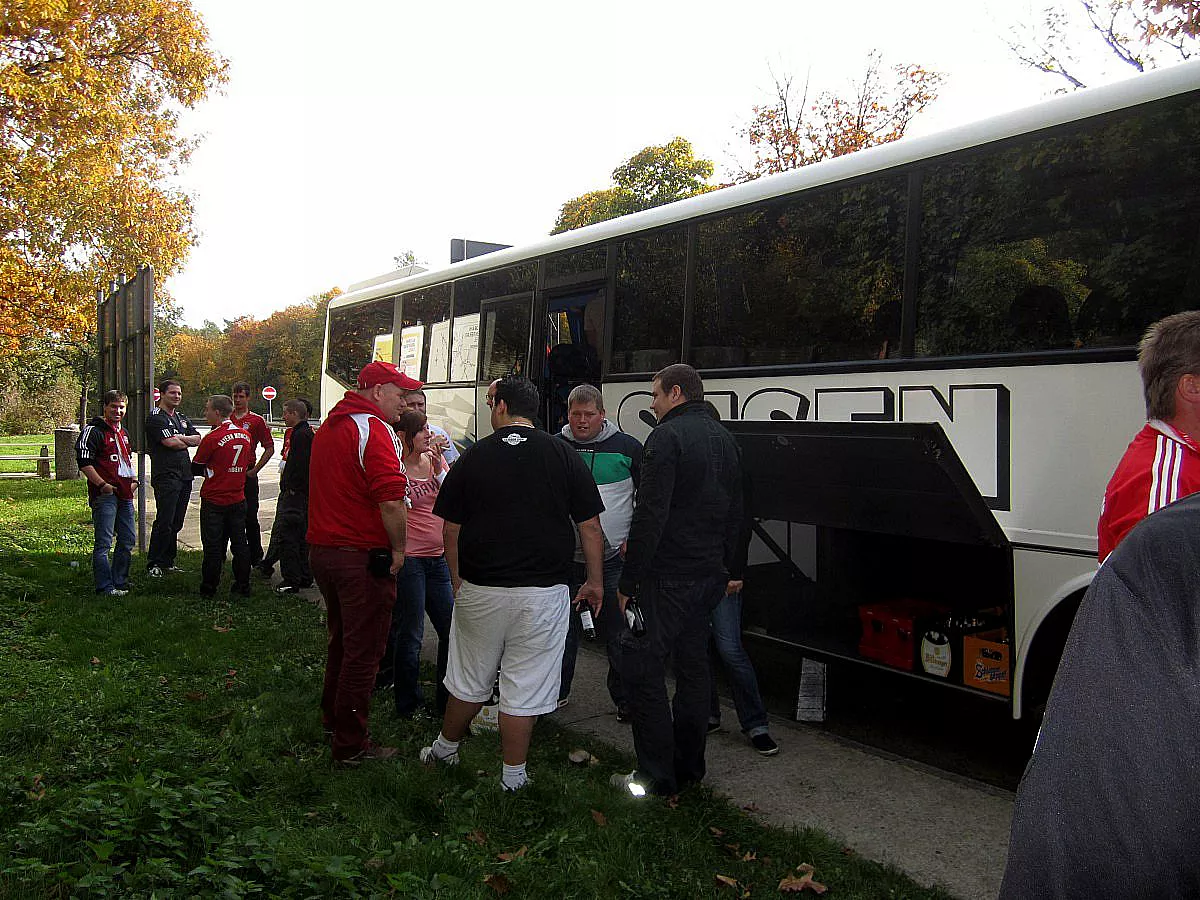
(614, 459)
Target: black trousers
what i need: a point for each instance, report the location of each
(222, 527)
(253, 532)
(288, 538)
(669, 737)
(172, 491)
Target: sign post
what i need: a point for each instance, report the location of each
(269, 394)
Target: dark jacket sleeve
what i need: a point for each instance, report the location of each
(635, 459)
(295, 473)
(737, 524)
(659, 462)
(90, 446)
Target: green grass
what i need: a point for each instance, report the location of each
(161, 745)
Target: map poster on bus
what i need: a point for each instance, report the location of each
(383, 348)
(439, 351)
(410, 350)
(464, 363)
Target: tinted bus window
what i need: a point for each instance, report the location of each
(648, 314)
(426, 327)
(817, 279)
(576, 266)
(358, 335)
(1073, 241)
(469, 294)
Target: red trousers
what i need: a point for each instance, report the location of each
(359, 611)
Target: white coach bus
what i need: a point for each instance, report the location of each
(993, 279)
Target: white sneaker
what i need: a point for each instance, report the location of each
(429, 758)
(628, 784)
(155, 572)
(520, 787)
(117, 592)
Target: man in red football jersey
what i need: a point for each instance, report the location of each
(224, 456)
(104, 460)
(1162, 463)
(260, 434)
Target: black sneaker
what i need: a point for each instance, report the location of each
(764, 744)
(623, 714)
(714, 727)
(287, 589)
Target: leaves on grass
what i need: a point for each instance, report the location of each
(794, 884)
(749, 856)
(506, 856)
(673, 801)
(579, 757)
(477, 837)
(599, 818)
(38, 791)
(375, 863)
(498, 883)
(715, 831)
(726, 881)
(195, 696)
(95, 660)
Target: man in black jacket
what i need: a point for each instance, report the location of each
(291, 509)
(680, 552)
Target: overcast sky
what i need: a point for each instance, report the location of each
(350, 132)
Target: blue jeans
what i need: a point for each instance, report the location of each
(422, 586)
(108, 514)
(609, 627)
(727, 639)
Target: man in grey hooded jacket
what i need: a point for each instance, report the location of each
(614, 459)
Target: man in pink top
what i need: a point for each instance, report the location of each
(1162, 463)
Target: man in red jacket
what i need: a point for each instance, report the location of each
(356, 536)
(1162, 463)
(105, 461)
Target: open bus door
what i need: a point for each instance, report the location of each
(573, 335)
(874, 525)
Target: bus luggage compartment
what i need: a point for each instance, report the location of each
(849, 517)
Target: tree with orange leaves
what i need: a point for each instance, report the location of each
(791, 132)
(89, 136)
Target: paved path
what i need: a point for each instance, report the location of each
(939, 828)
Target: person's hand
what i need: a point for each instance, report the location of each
(455, 584)
(624, 544)
(107, 488)
(397, 561)
(438, 444)
(591, 593)
(734, 586)
(621, 601)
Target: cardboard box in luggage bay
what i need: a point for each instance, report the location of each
(987, 661)
(891, 631)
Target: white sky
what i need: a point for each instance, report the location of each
(350, 132)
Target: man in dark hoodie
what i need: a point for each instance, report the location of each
(357, 521)
(105, 461)
(680, 557)
(291, 509)
(615, 461)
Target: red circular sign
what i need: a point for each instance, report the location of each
(157, 395)
(269, 393)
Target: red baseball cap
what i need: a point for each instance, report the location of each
(380, 372)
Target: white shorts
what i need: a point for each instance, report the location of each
(519, 630)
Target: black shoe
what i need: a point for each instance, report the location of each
(714, 727)
(764, 745)
(287, 589)
(623, 714)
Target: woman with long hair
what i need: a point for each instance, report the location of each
(423, 585)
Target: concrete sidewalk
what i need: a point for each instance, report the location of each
(938, 828)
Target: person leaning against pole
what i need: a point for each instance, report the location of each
(169, 434)
(105, 461)
(291, 508)
(256, 426)
(681, 549)
(614, 459)
(222, 458)
(509, 504)
(1162, 463)
(356, 543)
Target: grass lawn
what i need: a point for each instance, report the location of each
(161, 745)
(24, 445)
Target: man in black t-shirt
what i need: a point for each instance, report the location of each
(509, 504)
(168, 436)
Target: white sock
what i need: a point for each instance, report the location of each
(514, 777)
(443, 748)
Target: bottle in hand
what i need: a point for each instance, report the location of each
(585, 619)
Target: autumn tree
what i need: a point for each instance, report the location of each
(651, 177)
(791, 131)
(90, 95)
(1077, 41)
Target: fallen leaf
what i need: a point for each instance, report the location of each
(750, 856)
(38, 790)
(162, 679)
(805, 867)
(716, 832)
(673, 801)
(751, 807)
(509, 857)
(374, 864)
(727, 881)
(477, 837)
(498, 883)
(599, 818)
(195, 696)
(95, 660)
(224, 629)
(579, 757)
(734, 849)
